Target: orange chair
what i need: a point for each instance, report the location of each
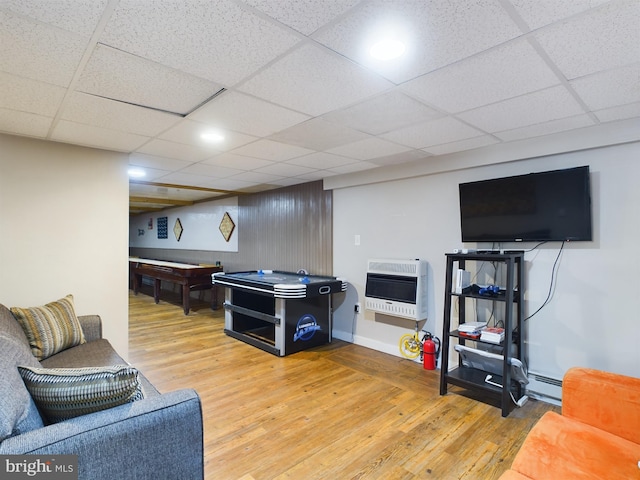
(596, 437)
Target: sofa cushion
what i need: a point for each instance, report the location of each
(94, 354)
(63, 393)
(51, 328)
(10, 327)
(18, 412)
(559, 447)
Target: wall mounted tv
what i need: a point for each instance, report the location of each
(551, 206)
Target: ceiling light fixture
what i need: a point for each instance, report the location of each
(213, 137)
(136, 173)
(387, 49)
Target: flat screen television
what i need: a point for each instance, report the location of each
(545, 206)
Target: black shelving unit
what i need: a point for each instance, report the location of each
(510, 296)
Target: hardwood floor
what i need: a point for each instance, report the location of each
(337, 412)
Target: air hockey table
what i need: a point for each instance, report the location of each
(279, 312)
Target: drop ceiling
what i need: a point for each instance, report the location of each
(293, 90)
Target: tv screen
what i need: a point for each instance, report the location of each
(551, 206)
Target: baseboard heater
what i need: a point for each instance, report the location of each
(544, 388)
(397, 288)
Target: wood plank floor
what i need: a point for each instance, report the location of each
(337, 412)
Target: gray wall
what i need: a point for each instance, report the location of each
(594, 308)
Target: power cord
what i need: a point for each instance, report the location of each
(551, 285)
(524, 399)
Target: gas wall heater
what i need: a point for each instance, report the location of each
(397, 288)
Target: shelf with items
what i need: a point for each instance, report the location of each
(457, 334)
(497, 359)
(500, 297)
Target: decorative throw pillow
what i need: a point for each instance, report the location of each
(63, 393)
(51, 328)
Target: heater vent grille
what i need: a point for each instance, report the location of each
(549, 380)
(411, 268)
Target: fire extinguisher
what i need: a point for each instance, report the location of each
(430, 349)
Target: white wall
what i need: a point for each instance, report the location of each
(64, 229)
(200, 227)
(591, 321)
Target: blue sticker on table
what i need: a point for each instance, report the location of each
(306, 328)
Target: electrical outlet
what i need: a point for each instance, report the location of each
(356, 308)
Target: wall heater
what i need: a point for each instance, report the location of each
(397, 288)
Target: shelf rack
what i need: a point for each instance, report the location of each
(514, 288)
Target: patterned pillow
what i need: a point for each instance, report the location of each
(63, 393)
(51, 328)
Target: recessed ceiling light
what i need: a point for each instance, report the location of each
(387, 49)
(213, 137)
(136, 173)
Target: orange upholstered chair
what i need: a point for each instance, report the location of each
(596, 437)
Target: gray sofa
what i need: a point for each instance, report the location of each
(158, 437)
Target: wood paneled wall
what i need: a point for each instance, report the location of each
(285, 229)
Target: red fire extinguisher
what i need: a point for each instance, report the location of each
(430, 349)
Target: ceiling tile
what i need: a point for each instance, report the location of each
(538, 13)
(300, 108)
(619, 113)
(354, 167)
(240, 162)
(165, 148)
(285, 170)
(242, 113)
(610, 88)
(255, 177)
(102, 112)
(435, 132)
(577, 51)
(317, 134)
(21, 123)
(288, 181)
(160, 163)
(232, 184)
(386, 112)
(91, 136)
(75, 16)
(30, 96)
(546, 128)
(189, 132)
(538, 107)
(314, 81)
(316, 175)
(398, 158)
(219, 41)
(305, 16)
(461, 145)
(321, 160)
(369, 149)
(119, 75)
(37, 51)
(436, 33)
(504, 72)
(210, 170)
(270, 150)
(150, 175)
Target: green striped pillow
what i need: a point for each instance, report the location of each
(51, 328)
(63, 393)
